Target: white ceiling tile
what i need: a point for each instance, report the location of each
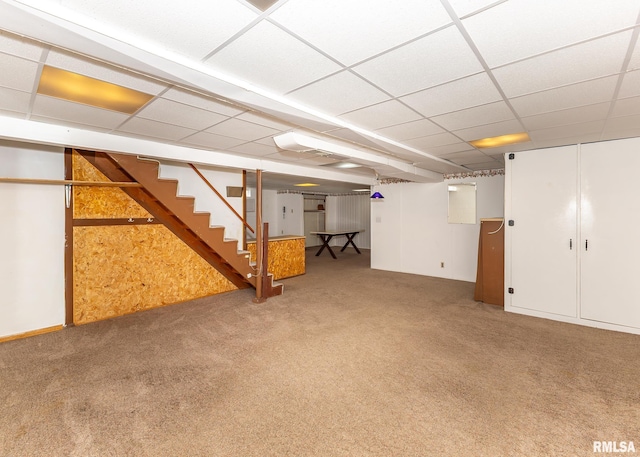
(618, 134)
(176, 113)
(201, 101)
(254, 149)
(634, 63)
(630, 85)
(271, 59)
(267, 141)
(410, 130)
(353, 137)
(567, 116)
(17, 73)
(564, 141)
(14, 100)
(442, 151)
(200, 26)
(471, 117)
(585, 128)
(368, 26)
(626, 107)
(439, 167)
(490, 130)
(153, 129)
(348, 93)
(468, 159)
(310, 122)
(212, 141)
(68, 124)
(582, 94)
(497, 157)
(21, 47)
(623, 123)
(427, 142)
(265, 120)
(432, 60)
(243, 130)
(465, 7)
(381, 115)
(454, 96)
(565, 66)
(493, 165)
(55, 108)
(103, 72)
(543, 25)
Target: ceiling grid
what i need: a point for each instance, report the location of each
(400, 87)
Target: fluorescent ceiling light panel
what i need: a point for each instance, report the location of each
(306, 184)
(89, 91)
(503, 140)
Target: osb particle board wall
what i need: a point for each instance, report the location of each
(286, 258)
(122, 269)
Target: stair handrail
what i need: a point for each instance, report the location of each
(221, 197)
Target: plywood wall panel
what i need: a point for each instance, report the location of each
(100, 202)
(123, 269)
(286, 257)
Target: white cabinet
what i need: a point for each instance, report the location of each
(571, 253)
(610, 247)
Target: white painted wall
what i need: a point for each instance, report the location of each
(291, 220)
(32, 239)
(410, 232)
(190, 184)
(272, 204)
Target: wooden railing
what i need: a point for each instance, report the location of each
(224, 200)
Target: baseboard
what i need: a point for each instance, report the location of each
(4, 339)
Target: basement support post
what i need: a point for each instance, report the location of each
(259, 240)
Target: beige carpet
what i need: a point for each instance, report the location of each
(348, 362)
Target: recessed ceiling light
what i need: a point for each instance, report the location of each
(306, 184)
(89, 91)
(503, 140)
(361, 190)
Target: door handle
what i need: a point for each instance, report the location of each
(586, 245)
(570, 244)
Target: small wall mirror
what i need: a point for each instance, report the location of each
(462, 203)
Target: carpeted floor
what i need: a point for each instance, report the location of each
(348, 362)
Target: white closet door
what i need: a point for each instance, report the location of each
(543, 239)
(610, 244)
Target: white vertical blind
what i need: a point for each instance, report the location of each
(350, 212)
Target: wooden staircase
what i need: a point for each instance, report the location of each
(159, 197)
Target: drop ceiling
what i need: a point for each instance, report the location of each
(404, 85)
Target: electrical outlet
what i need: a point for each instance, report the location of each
(441, 264)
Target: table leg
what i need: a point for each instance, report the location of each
(350, 237)
(325, 244)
